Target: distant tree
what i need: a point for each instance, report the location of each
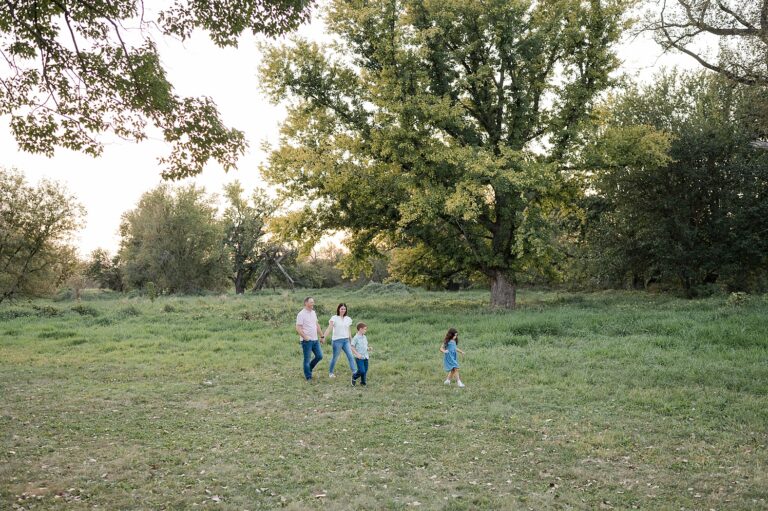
(695, 216)
(78, 279)
(321, 268)
(36, 227)
(739, 27)
(73, 70)
(245, 230)
(174, 239)
(105, 270)
(441, 126)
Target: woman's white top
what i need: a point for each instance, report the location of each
(340, 327)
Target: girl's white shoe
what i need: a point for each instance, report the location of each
(447, 382)
(460, 384)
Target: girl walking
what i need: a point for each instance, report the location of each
(450, 361)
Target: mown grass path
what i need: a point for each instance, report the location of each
(574, 401)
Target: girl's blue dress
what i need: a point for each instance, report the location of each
(449, 359)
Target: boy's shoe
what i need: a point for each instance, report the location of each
(354, 382)
(460, 384)
(447, 382)
(331, 375)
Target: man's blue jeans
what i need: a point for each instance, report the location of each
(362, 370)
(342, 345)
(311, 346)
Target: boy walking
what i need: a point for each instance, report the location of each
(360, 350)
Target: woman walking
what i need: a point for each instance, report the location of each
(339, 326)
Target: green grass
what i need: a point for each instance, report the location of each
(575, 401)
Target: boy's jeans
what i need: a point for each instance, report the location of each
(311, 346)
(362, 370)
(342, 345)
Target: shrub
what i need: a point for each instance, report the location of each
(391, 288)
(151, 290)
(47, 311)
(738, 299)
(14, 313)
(129, 311)
(85, 310)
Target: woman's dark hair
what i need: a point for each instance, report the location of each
(338, 309)
(452, 332)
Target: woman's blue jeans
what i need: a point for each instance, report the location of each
(311, 347)
(342, 345)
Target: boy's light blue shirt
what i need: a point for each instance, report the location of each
(360, 343)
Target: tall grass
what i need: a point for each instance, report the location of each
(574, 401)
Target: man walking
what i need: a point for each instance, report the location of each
(311, 336)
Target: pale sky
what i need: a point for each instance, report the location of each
(113, 183)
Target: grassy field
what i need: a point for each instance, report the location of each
(574, 401)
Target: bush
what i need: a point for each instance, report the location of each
(738, 299)
(14, 313)
(85, 310)
(391, 288)
(151, 289)
(64, 295)
(47, 311)
(130, 311)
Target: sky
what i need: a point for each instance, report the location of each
(113, 183)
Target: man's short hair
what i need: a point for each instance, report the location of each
(307, 299)
(361, 325)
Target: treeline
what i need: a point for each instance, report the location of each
(670, 192)
(176, 242)
(695, 216)
(173, 242)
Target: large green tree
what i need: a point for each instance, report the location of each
(695, 216)
(36, 228)
(441, 126)
(74, 69)
(174, 239)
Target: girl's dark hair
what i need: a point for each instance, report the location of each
(451, 333)
(338, 309)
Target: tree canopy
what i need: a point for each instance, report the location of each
(441, 127)
(697, 215)
(36, 228)
(71, 71)
(739, 26)
(245, 230)
(174, 240)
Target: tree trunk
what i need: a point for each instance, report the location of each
(240, 282)
(503, 292)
